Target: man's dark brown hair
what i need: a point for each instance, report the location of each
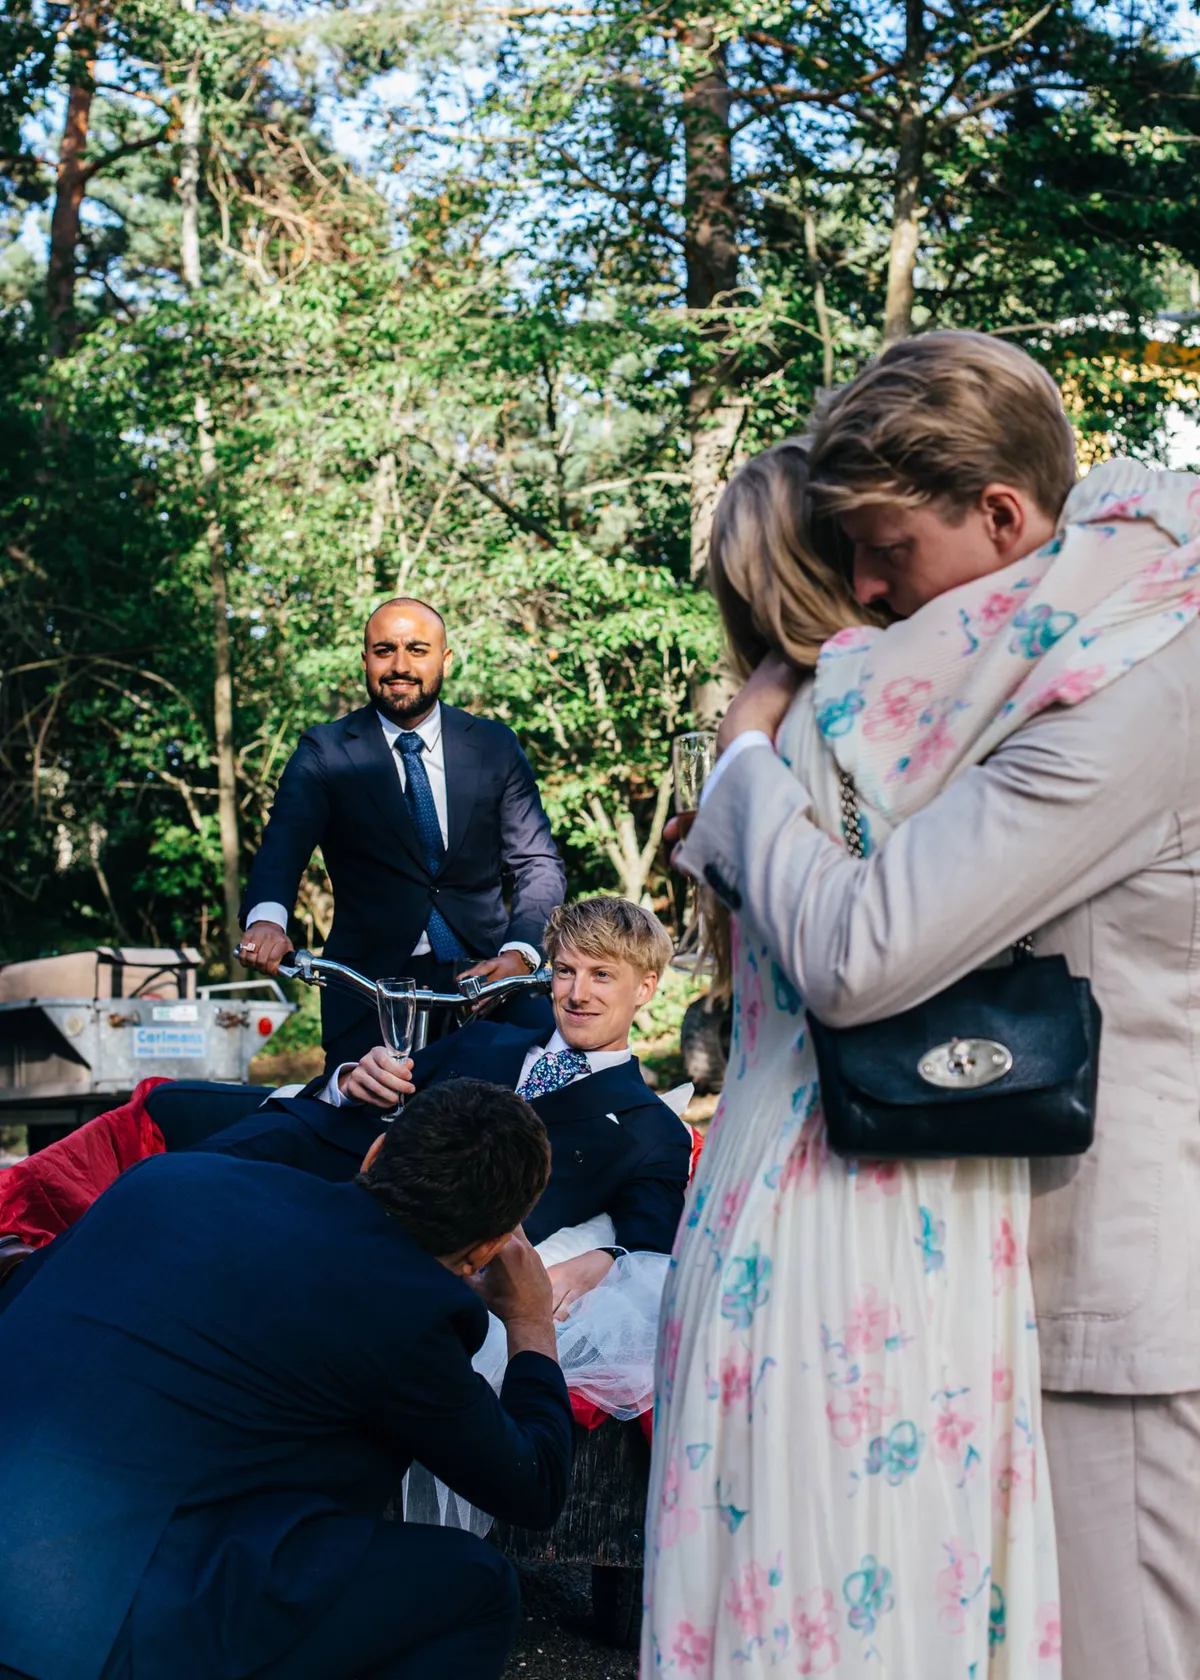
(464, 1162)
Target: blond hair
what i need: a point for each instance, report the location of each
(775, 591)
(615, 928)
(937, 419)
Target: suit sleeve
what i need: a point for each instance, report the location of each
(527, 849)
(1078, 800)
(646, 1210)
(508, 1454)
(295, 828)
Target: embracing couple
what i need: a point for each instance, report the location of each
(940, 1419)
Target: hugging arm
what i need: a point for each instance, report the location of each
(1075, 802)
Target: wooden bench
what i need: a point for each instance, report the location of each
(603, 1524)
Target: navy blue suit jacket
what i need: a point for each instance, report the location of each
(340, 790)
(615, 1147)
(212, 1388)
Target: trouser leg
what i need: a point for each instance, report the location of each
(425, 1604)
(190, 1111)
(1123, 1474)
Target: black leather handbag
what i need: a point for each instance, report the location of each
(1004, 1062)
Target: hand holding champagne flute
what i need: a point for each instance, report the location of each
(397, 1001)
(692, 758)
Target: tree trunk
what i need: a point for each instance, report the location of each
(824, 325)
(910, 165)
(227, 809)
(189, 183)
(70, 186)
(710, 251)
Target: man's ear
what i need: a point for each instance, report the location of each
(476, 1258)
(447, 661)
(369, 1157)
(1004, 510)
(647, 989)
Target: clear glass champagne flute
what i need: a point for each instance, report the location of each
(397, 1001)
(692, 758)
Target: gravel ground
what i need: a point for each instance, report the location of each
(556, 1640)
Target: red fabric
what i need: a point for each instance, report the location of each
(697, 1146)
(46, 1193)
(591, 1417)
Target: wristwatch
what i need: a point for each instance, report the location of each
(616, 1253)
(527, 953)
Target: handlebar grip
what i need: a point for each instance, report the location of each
(299, 968)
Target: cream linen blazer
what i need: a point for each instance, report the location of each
(1083, 826)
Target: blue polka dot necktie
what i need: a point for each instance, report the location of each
(551, 1072)
(419, 797)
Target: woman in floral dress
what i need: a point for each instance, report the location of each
(848, 1386)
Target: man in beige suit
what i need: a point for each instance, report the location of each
(1083, 825)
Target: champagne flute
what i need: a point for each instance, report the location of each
(692, 758)
(397, 1001)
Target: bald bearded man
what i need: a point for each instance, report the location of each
(424, 814)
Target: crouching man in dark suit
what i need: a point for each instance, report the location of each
(217, 1380)
(616, 1148)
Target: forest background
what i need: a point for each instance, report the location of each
(304, 305)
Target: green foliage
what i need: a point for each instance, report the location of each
(474, 386)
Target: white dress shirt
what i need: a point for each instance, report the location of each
(430, 731)
(597, 1060)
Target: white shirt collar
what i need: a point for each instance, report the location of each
(430, 730)
(597, 1060)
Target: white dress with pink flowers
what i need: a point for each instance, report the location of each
(849, 1476)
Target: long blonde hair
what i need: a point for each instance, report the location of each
(781, 583)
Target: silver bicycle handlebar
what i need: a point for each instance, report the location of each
(323, 971)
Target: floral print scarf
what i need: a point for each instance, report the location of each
(904, 709)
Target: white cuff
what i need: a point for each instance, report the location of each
(268, 911)
(739, 745)
(332, 1092)
(531, 956)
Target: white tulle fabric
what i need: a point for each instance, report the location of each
(606, 1349)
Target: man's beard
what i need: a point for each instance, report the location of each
(402, 705)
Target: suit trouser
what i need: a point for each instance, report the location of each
(1125, 1480)
(425, 1604)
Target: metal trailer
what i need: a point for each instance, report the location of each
(78, 1032)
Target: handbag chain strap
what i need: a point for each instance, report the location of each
(852, 828)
